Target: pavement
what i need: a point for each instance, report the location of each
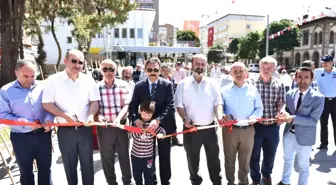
(322, 169)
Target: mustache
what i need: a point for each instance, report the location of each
(152, 75)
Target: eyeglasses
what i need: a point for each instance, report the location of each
(74, 61)
(150, 70)
(110, 69)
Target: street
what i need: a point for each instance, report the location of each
(322, 169)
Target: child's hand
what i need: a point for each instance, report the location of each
(159, 136)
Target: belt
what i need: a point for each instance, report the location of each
(36, 131)
(122, 122)
(241, 127)
(202, 125)
(266, 125)
(330, 98)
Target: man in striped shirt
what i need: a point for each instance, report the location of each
(142, 153)
(115, 97)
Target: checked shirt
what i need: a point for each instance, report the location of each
(271, 94)
(113, 99)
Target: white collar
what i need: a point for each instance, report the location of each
(156, 82)
(303, 93)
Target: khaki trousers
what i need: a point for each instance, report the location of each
(238, 141)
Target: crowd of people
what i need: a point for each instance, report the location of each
(148, 99)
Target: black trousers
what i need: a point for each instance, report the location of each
(193, 143)
(73, 144)
(329, 109)
(114, 140)
(164, 146)
(145, 167)
(29, 146)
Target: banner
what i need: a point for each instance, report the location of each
(210, 36)
(192, 25)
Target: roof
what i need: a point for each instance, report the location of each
(155, 49)
(327, 17)
(234, 14)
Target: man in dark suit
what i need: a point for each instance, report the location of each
(161, 91)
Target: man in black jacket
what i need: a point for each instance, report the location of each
(161, 91)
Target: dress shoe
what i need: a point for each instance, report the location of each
(255, 183)
(176, 142)
(321, 147)
(267, 181)
(280, 183)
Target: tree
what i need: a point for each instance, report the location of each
(11, 37)
(216, 54)
(285, 42)
(248, 46)
(107, 14)
(233, 46)
(188, 35)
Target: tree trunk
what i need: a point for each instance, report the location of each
(21, 50)
(52, 21)
(11, 35)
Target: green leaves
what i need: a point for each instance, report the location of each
(216, 54)
(188, 35)
(233, 46)
(248, 46)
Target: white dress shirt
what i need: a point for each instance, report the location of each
(198, 99)
(215, 73)
(72, 97)
(179, 75)
(297, 95)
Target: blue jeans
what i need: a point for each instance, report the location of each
(291, 147)
(29, 146)
(265, 138)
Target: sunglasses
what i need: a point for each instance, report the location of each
(110, 69)
(150, 70)
(74, 61)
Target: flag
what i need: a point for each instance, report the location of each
(210, 36)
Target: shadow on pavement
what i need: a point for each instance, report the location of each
(326, 162)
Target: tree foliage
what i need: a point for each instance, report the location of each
(106, 13)
(216, 54)
(248, 46)
(233, 46)
(187, 35)
(279, 44)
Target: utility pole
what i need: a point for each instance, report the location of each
(267, 35)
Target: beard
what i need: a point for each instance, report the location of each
(127, 78)
(199, 71)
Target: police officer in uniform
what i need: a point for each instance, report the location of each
(326, 81)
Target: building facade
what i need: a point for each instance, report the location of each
(318, 38)
(167, 31)
(152, 4)
(229, 27)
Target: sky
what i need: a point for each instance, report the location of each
(176, 11)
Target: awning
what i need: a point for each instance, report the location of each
(155, 49)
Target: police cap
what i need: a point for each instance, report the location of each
(327, 58)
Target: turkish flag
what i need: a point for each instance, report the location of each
(210, 36)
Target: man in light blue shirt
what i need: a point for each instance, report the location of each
(241, 101)
(326, 81)
(21, 100)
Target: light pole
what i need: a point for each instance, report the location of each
(267, 35)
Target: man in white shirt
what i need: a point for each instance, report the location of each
(197, 99)
(179, 74)
(72, 96)
(127, 76)
(215, 72)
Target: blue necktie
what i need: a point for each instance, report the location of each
(153, 91)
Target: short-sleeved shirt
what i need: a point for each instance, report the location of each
(72, 97)
(113, 99)
(272, 93)
(198, 99)
(326, 82)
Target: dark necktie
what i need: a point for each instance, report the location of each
(297, 108)
(153, 91)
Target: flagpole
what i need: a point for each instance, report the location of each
(267, 35)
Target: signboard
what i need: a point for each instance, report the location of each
(192, 25)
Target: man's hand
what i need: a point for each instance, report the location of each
(253, 120)
(89, 121)
(116, 122)
(187, 124)
(290, 120)
(32, 127)
(154, 124)
(138, 123)
(69, 119)
(47, 127)
(281, 117)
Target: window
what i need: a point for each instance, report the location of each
(124, 33)
(132, 33)
(315, 38)
(100, 35)
(320, 37)
(305, 40)
(248, 26)
(331, 37)
(139, 33)
(116, 32)
(69, 40)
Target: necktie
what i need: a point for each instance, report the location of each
(153, 91)
(297, 108)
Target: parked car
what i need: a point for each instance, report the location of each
(253, 67)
